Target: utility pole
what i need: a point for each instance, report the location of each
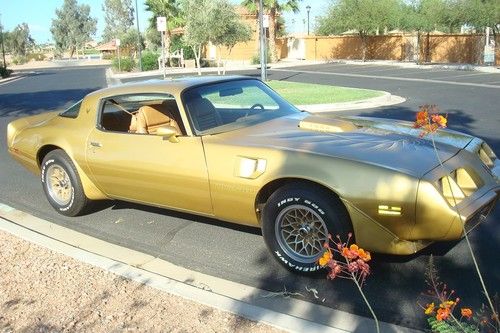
(1, 40)
(308, 8)
(138, 36)
(263, 69)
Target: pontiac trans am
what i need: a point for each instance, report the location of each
(233, 149)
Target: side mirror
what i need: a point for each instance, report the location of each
(168, 133)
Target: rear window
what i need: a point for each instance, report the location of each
(72, 111)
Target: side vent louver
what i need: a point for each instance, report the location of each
(458, 185)
(487, 155)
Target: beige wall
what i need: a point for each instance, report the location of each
(435, 48)
(465, 49)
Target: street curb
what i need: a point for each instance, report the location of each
(292, 315)
(430, 66)
(385, 100)
(13, 77)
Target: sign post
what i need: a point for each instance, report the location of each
(161, 26)
(117, 43)
(263, 66)
(489, 49)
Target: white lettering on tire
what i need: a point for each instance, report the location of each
(296, 267)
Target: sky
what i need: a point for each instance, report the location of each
(38, 14)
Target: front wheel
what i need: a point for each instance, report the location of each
(296, 223)
(62, 185)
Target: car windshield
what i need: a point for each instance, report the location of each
(222, 107)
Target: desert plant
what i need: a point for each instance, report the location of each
(124, 64)
(149, 61)
(442, 305)
(429, 120)
(352, 264)
(255, 60)
(5, 72)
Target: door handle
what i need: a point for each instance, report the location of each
(95, 144)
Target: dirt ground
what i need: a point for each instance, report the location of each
(43, 291)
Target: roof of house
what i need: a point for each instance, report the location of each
(109, 46)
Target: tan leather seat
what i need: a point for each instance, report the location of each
(204, 114)
(150, 117)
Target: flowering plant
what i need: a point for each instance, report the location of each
(351, 263)
(442, 318)
(429, 119)
(441, 309)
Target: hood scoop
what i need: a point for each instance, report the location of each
(326, 124)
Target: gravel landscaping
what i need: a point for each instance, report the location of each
(43, 291)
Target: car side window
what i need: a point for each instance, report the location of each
(72, 111)
(140, 114)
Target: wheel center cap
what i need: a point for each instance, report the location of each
(305, 230)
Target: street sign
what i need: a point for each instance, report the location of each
(117, 42)
(489, 55)
(265, 21)
(161, 23)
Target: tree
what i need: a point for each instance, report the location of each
(365, 16)
(424, 16)
(274, 8)
(227, 28)
(169, 9)
(198, 25)
(119, 17)
(20, 40)
(483, 13)
(72, 26)
(129, 40)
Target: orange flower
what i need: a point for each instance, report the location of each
(364, 255)
(350, 253)
(443, 314)
(446, 304)
(440, 120)
(422, 119)
(327, 256)
(430, 309)
(466, 312)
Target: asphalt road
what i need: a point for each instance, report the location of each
(471, 99)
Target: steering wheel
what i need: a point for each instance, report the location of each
(254, 107)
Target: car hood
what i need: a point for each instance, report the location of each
(387, 143)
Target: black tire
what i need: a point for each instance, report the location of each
(61, 184)
(306, 215)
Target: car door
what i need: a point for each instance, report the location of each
(148, 169)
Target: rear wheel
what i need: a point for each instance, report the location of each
(62, 185)
(296, 223)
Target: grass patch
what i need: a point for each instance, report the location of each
(308, 93)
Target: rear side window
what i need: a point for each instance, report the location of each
(72, 111)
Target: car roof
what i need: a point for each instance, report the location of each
(174, 85)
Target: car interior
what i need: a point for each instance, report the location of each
(140, 114)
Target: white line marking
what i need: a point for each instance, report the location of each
(390, 78)
(13, 80)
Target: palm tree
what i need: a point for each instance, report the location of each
(274, 8)
(169, 9)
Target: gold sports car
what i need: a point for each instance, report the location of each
(233, 149)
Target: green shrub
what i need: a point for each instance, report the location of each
(37, 56)
(149, 61)
(19, 60)
(256, 58)
(108, 56)
(126, 64)
(5, 72)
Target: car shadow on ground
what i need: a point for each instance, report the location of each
(124, 205)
